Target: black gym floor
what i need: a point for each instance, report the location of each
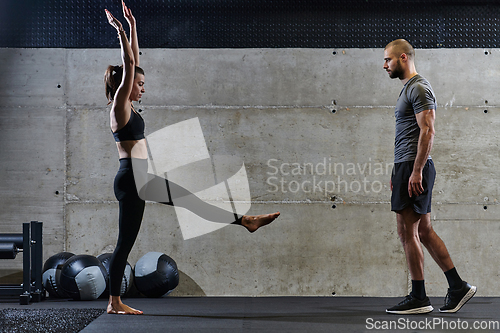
(277, 314)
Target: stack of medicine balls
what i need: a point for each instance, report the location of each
(85, 277)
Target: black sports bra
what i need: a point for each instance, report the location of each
(133, 130)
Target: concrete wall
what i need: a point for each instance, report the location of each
(315, 130)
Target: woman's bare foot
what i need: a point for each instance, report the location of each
(254, 222)
(115, 306)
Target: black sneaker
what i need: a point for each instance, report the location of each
(412, 305)
(455, 299)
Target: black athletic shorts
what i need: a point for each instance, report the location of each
(400, 176)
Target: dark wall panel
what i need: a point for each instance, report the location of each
(254, 23)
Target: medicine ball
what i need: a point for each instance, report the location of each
(52, 273)
(83, 277)
(156, 274)
(128, 276)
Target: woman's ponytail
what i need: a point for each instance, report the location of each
(112, 80)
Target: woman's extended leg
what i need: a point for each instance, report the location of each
(159, 189)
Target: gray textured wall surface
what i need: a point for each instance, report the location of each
(315, 131)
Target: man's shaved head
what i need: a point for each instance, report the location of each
(400, 46)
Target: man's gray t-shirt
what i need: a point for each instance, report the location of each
(416, 96)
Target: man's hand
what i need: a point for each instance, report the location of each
(415, 184)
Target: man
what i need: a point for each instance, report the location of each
(412, 181)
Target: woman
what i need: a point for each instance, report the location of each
(125, 85)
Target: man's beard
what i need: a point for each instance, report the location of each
(397, 72)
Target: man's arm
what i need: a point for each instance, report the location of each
(425, 120)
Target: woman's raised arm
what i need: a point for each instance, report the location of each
(121, 98)
(134, 42)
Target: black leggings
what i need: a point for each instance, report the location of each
(131, 204)
(130, 218)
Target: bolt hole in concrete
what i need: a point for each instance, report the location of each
(334, 52)
(58, 86)
(485, 111)
(334, 206)
(57, 192)
(485, 207)
(334, 111)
